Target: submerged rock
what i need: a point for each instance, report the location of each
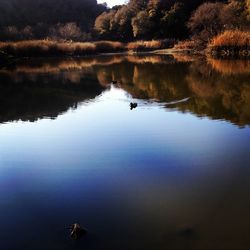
(76, 231)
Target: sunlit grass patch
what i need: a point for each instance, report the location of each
(37, 48)
(146, 45)
(231, 43)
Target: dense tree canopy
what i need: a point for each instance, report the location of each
(159, 19)
(210, 19)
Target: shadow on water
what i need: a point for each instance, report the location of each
(30, 93)
(218, 89)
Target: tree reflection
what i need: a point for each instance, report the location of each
(28, 95)
(218, 89)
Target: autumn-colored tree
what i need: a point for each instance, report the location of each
(234, 14)
(248, 9)
(103, 24)
(13, 33)
(137, 5)
(69, 31)
(211, 19)
(206, 22)
(173, 21)
(142, 25)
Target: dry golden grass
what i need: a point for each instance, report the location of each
(38, 48)
(231, 43)
(46, 48)
(145, 45)
(185, 45)
(232, 38)
(54, 48)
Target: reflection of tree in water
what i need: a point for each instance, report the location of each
(218, 89)
(230, 67)
(219, 93)
(164, 82)
(29, 97)
(218, 96)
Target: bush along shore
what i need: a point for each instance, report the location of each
(234, 44)
(47, 48)
(229, 44)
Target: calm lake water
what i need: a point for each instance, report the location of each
(173, 173)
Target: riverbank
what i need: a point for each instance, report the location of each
(230, 44)
(49, 48)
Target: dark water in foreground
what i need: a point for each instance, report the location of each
(174, 173)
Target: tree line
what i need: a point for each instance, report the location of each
(86, 20)
(180, 19)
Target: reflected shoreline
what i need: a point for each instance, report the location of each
(217, 89)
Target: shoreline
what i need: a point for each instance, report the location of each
(6, 59)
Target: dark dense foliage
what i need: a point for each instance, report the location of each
(158, 19)
(33, 19)
(85, 20)
(147, 19)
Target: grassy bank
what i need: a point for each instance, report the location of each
(41, 48)
(230, 44)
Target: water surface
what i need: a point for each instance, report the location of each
(172, 173)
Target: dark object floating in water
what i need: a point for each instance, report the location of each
(76, 231)
(114, 82)
(133, 105)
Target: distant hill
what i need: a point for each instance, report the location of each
(36, 17)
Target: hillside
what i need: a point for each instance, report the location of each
(26, 19)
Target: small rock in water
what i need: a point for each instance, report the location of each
(76, 231)
(133, 105)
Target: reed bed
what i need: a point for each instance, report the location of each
(146, 45)
(185, 45)
(234, 38)
(232, 43)
(39, 48)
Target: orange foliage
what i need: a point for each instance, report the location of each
(145, 45)
(234, 38)
(187, 44)
(51, 48)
